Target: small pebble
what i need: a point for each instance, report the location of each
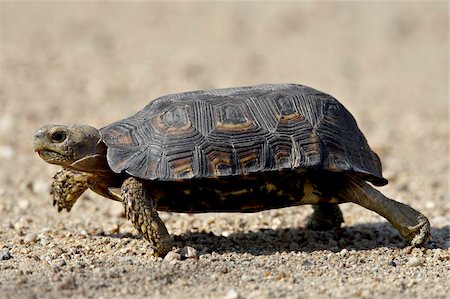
(5, 255)
(172, 256)
(44, 241)
(189, 252)
(39, 187)
(30, 238)
(59, 263)
(226, 234)
(23, 205)
(6, 152)
(343, 252)
(392, 263)
(415, 261)
(57, 251)
(307, 263)
(232, 294)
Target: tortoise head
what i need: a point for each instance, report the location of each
(78, 147)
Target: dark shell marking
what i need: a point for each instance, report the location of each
(240, 131)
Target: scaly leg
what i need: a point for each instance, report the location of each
(140, 211)
(326, 216)
(411, 224)
(67, 187)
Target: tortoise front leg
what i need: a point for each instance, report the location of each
(411, 224)
(140, 210)
(67, 186)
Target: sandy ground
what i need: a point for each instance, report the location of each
(95, 63)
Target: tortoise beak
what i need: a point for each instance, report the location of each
(49, 148)
(39, 139)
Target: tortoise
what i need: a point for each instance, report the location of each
(242, 149)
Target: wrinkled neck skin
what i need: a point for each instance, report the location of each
(96, 167)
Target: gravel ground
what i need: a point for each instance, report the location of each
(97, 62)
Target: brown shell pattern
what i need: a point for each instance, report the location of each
(236, 131)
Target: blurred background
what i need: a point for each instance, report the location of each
(98, 62)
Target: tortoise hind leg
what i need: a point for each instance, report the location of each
(326, 216)
(411, 224)
(140, 210)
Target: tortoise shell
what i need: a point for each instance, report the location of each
(239, 131)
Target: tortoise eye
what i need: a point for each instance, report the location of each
(58, 136)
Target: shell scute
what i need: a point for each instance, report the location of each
(238, 131)
(176, 118)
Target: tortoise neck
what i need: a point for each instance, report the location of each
(95, 162)
(96, 166)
